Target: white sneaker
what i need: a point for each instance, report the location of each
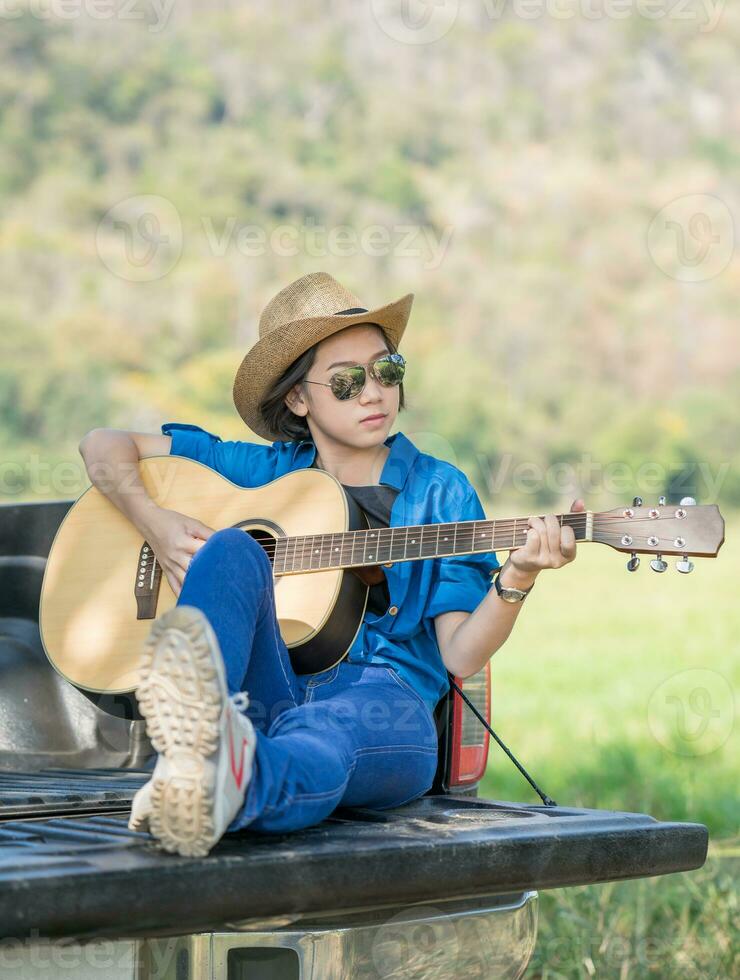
(141, 807)
(205, 744)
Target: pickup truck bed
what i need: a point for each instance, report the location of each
(69, 865)
(441, 887)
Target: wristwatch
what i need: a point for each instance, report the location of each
(510, 595)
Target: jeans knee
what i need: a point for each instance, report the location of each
(238, 546)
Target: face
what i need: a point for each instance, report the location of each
(341, 421)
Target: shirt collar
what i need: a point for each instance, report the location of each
(396, 468)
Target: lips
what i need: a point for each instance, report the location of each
(369, 418)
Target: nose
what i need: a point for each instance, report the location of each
(373, 390)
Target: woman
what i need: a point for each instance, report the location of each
(242, 740)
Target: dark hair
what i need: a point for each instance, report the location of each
(276, 414)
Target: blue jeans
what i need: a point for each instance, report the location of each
(356, 734)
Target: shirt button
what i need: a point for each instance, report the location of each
(393, 610)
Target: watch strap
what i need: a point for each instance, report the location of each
(501, 588)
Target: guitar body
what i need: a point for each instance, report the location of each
(102, 589)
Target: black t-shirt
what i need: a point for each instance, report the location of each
(376, 502)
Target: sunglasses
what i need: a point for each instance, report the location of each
(350, 381)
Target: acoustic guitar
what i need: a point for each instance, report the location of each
(103, 587)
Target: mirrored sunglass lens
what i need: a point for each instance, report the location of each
(390, 369)
(348, 383)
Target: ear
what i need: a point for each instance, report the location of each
(296, 402)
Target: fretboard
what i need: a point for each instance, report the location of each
(379, 546)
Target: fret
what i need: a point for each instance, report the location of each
(445, 548)
(315, 553)
(307, 554)
(425, 546)
(283, 557)
(415, 540)
(396, 546)
(345, 542)
(385, 545)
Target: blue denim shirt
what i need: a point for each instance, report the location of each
(430, 491)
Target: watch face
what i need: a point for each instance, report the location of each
(512, 595)
(509, 595)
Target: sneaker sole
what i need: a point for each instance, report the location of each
(181, 700)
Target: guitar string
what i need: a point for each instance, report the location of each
(464, 527)
(303, 544)
(385, 535)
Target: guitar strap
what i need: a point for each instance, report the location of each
(543, 796)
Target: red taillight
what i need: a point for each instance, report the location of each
(469, 738)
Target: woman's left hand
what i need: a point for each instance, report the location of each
(548, 546)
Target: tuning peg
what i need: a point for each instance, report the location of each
(637, 501)
(658, 564)
(684, 565)
(661, 501)
(688, 502)
(633, 564)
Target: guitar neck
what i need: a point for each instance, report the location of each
(379, 546)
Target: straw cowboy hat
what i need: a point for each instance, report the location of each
(302, 314)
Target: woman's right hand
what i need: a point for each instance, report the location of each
(175, 538)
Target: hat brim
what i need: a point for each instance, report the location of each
(266, 361)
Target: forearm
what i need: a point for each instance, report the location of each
(112, 463)
(487, 628)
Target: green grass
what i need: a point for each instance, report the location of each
(681, 927)
(618, 690)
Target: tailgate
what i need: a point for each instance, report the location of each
(84, 873)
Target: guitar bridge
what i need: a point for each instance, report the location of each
(146, 587)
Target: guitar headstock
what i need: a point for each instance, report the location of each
(667, 529)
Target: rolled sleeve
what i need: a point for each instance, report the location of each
(246, 464)
(461, 582)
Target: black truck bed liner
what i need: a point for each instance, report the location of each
(84, 873)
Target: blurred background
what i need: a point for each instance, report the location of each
(558, 185)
